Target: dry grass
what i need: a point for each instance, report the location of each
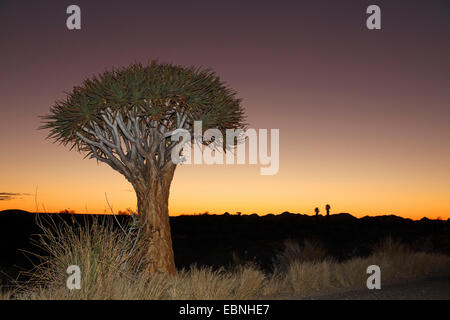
(103, 254)
(5, 295)
(396, 261)
(315, 278)
(294, 252)
(109, 270)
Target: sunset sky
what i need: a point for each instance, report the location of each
(363, 114)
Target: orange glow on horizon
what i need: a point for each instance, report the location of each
(219, 189)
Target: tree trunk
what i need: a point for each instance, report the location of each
(153, 211)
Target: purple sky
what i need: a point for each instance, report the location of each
(366, 113)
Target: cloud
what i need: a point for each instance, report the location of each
(6, 196)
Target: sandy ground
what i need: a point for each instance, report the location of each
(428, 289)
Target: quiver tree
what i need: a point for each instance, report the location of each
(126, 117)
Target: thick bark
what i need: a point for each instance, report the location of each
(152, 201)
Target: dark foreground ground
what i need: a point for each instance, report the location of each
(428, 289)
(227, 240)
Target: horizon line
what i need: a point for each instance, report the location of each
(207, 213)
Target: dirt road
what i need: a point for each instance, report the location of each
(429, 289)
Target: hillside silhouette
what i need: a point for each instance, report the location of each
(226, 240)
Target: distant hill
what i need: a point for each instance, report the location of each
(13, 211)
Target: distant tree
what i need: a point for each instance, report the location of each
(327, 207)
(67, 211)
(317, 211)
(126, 117)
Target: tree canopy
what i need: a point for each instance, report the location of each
(129, 113)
